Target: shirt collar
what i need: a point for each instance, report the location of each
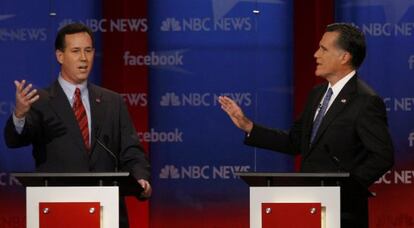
(341, 83)
(69, 88)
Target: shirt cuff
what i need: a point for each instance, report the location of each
(18, 123)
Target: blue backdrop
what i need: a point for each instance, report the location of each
(225, 49)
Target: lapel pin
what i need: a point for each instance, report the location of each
(343, 101)
(98, 100)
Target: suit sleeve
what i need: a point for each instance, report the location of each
(132, 156)
(275, 139)
(15, 140)
(37, 129)
(372, 129)
(289, 142)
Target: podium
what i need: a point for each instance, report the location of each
(295, 199)
(75, 199)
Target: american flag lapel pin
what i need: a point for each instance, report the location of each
(98, 100)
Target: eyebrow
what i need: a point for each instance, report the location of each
(74, 48)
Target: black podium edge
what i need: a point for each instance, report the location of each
(128, 186)
(293, 179)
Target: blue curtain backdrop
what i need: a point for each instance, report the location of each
(216, 48)
(219, 48)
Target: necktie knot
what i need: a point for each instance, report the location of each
(77, 92)
(77, 97)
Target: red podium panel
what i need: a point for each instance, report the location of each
(69, 214)
(291, 215)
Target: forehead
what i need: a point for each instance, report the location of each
(329, 38)
(81, 39)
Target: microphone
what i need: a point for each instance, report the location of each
(108, 150)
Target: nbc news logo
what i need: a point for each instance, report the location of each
(171, 24)
(169, 172)
(170, 99)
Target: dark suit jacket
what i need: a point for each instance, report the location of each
(353, 136)
(52, 129)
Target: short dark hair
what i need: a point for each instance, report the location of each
(350, 39)
(70, 29)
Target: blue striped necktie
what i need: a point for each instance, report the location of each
(318, 120)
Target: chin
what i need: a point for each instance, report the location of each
(83, 75)
(82, 78)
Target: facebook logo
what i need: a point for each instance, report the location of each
(411, 139)
(411, 62)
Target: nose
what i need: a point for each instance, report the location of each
(83, 55)
(316, 54)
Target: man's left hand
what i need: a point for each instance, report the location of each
(147, 188)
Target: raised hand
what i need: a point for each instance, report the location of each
(236, 114)
(25, 97)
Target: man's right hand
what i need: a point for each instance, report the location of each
(25, 97)
(236, 114)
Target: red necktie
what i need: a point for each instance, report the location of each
(81, 117)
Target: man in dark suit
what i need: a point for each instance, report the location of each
(74, 125)
(343, 127)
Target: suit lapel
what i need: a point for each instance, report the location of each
(61, 106)
(97, 104)
(314, 104)
(340, 102)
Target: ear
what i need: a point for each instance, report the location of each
(346, 58)
(59, 56)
